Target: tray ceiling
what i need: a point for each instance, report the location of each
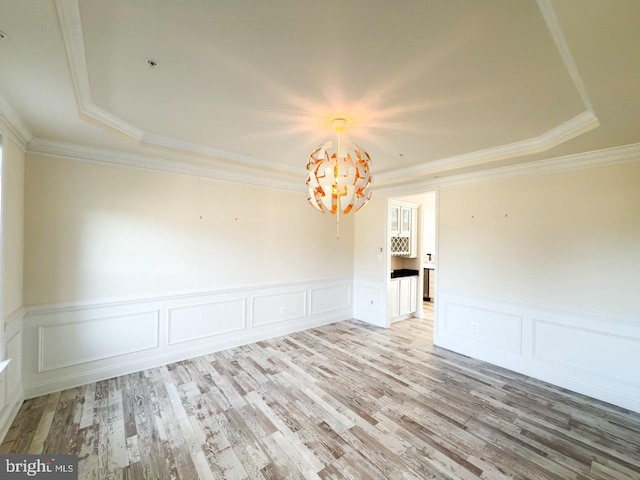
(427, 86)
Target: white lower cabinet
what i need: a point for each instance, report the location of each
(403, 296)
(394, 297)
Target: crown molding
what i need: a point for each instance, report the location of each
(571, 128)
(211, 169)
(577, 161)
(175, 144)
(220, 171)
(19, 130)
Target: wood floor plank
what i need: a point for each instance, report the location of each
(342, 401)
(88, 452)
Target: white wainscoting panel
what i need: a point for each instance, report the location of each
(277, 307)
(74, 344)
(11, 391)
(330, 298)
(590, 353)
(14, 352)
(9, 401)
(3, 390)
(199, 321)
(492, 328)
(369, 302)
(588, 350)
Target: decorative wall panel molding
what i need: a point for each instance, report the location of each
(588, 352)
(3, 384)
(13, 371)
(8, 413)
(330, 298)
(277, 307)
(550, 340)
(370, 301)
(67, 345)
(499, 329)
(206, 320)
(11, 394)
(73, 343)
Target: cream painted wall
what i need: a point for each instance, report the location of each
(429, 225)
(370, 231)
(101, 232)
(12, 226)
(371, 262)
(570, 239)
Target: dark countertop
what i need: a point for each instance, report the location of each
(404, 272)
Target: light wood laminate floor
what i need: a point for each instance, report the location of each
(344, 401)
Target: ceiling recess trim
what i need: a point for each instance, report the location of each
(70, 23)
(576, 161)
(176, 144)
(550, 18)
(572, 128)
(71, 29)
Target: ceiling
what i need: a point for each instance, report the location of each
(246, 88)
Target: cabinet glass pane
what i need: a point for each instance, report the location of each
(394, 219)
(405, 226)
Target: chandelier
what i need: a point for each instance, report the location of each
(339, 181)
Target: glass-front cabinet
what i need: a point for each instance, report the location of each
(394, 223)
(403, 229)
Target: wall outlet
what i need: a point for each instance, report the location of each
(474, 327)
(283, 310)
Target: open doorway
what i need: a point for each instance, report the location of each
(412, 259)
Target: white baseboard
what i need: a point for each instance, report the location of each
(71, 345)
(587, 352)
